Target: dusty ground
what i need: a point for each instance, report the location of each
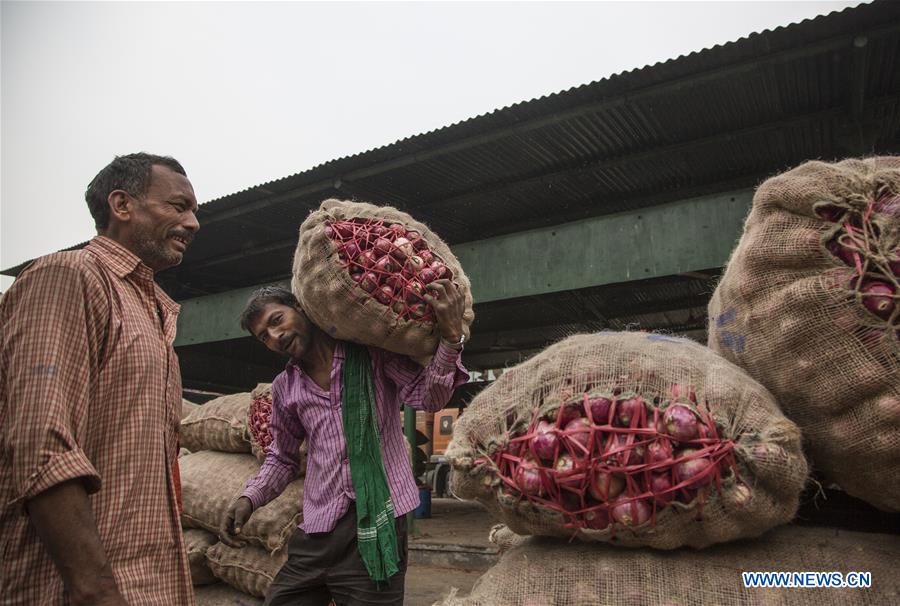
(453, 523)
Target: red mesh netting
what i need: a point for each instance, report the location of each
(389, 262)
(617, 456)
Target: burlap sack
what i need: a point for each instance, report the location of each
(785, 313)
(220, 424)
(248, 569)
(337, 305)
(549, 572)
(766, 446)
(196, 543)
(211, 481)
(187, 408)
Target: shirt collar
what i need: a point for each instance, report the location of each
(119, 259)
(338, 355)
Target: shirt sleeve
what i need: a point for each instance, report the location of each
(426, 388)
(54, 318)
(281, 465)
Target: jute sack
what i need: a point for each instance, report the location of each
(187, 407)
(211, 481)
(541, 571)
(790, 311)
(220, 424)
(248, 569)
(755, 483)
(196, 543)
(339, 306)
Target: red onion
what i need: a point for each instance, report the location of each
(570, 413)
(580, 429)
(630, 512)
(427, 275)
(369, 282)
(684, 391)
(329, 232)
(528, 479)
(596, 519)
(414, 292)
(544, 442)
(626, 455)
(438, 268)
(367, 259)
(691, 470)
(427, 256)
(605, 486)
(350, 250)
(384, 295)
(659, 451)
(415, 264)
(565, 470)
(344, 230)
(878, 297)
(382, 247)
(681, 423)
(395, 281)
(661, 487)
(385, 265)
(398, 229)
(599, 407)
(356, 274)
(402, 249)
(841, 252)
(626, 410)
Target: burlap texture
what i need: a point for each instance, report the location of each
(211, 481)
(248, 569)
(187, 407)
(337, 305)
(549, 572)
(767, 445)
(783, 311)
(196, 543)
(220, 424)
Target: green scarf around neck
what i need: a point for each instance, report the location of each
(376, 535)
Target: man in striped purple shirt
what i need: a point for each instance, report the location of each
(324, 561)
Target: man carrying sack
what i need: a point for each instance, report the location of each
(344, 399)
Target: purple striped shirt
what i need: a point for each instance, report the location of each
(303, 410)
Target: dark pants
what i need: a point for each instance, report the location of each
(326, 566)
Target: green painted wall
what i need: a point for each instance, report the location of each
(678, 237)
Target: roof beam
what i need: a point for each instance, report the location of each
(669, 239)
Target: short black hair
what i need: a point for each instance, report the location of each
(129, 173)
(262, 297)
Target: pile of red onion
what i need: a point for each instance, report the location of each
(617, 457)
(857, 242)
(390, 262)
(258, 419)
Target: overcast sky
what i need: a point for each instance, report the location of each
(243, 93)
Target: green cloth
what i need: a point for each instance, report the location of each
(376, 535)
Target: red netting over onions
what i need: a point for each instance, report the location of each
(858, 241)
(258, 419)
(389, 262)
(619, 457)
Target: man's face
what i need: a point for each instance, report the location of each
(163, 220)
(284, 329)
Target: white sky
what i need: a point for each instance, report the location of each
(243, 93)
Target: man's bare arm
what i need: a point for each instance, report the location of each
(65, 523)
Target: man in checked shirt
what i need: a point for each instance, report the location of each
(90, 397)
(344, 399)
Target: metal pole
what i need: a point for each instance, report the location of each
(409, 426)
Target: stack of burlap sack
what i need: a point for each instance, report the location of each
(216, 462)
(803, 360)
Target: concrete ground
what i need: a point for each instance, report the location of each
(450, 549)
